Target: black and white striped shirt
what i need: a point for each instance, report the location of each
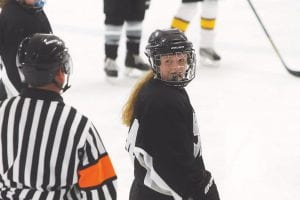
(50, 151)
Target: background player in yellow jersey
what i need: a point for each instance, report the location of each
(185, 14)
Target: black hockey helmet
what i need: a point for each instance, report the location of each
(40, 56)
(171, 41)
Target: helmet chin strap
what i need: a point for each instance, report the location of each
(62, 88)
(67, 86)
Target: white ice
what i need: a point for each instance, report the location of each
(248, 108)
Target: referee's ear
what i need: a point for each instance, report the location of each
(60, 77)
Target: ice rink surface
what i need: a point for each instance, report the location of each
(248, 108)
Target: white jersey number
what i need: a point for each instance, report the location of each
(131, 138)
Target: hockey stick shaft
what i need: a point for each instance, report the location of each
(296, 73)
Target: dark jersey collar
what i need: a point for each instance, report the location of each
(25, 7)
(41, 94)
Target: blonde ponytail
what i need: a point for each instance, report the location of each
(127, 115)
(2, 3)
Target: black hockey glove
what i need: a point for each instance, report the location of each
(208, 190)
(147, 4)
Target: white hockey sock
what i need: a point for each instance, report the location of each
(134, 31)
(112, 34)
(207, 23)
(184, 15)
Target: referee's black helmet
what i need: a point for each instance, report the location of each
(40, 56)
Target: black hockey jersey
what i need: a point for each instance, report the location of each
(16, 23)
(164, 144)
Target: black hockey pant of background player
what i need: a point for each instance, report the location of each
(119, 11)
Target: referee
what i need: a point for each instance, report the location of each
(47, 149)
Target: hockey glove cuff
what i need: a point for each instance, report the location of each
(208, 189)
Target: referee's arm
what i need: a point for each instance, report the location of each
(97, 178)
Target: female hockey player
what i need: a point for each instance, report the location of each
(185, 14)
(163, 139)
(18, 19)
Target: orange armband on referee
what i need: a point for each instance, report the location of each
(96, 174)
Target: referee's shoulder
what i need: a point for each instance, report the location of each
(74, 109)
(3, 102)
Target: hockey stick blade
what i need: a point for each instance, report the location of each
(293, 72)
